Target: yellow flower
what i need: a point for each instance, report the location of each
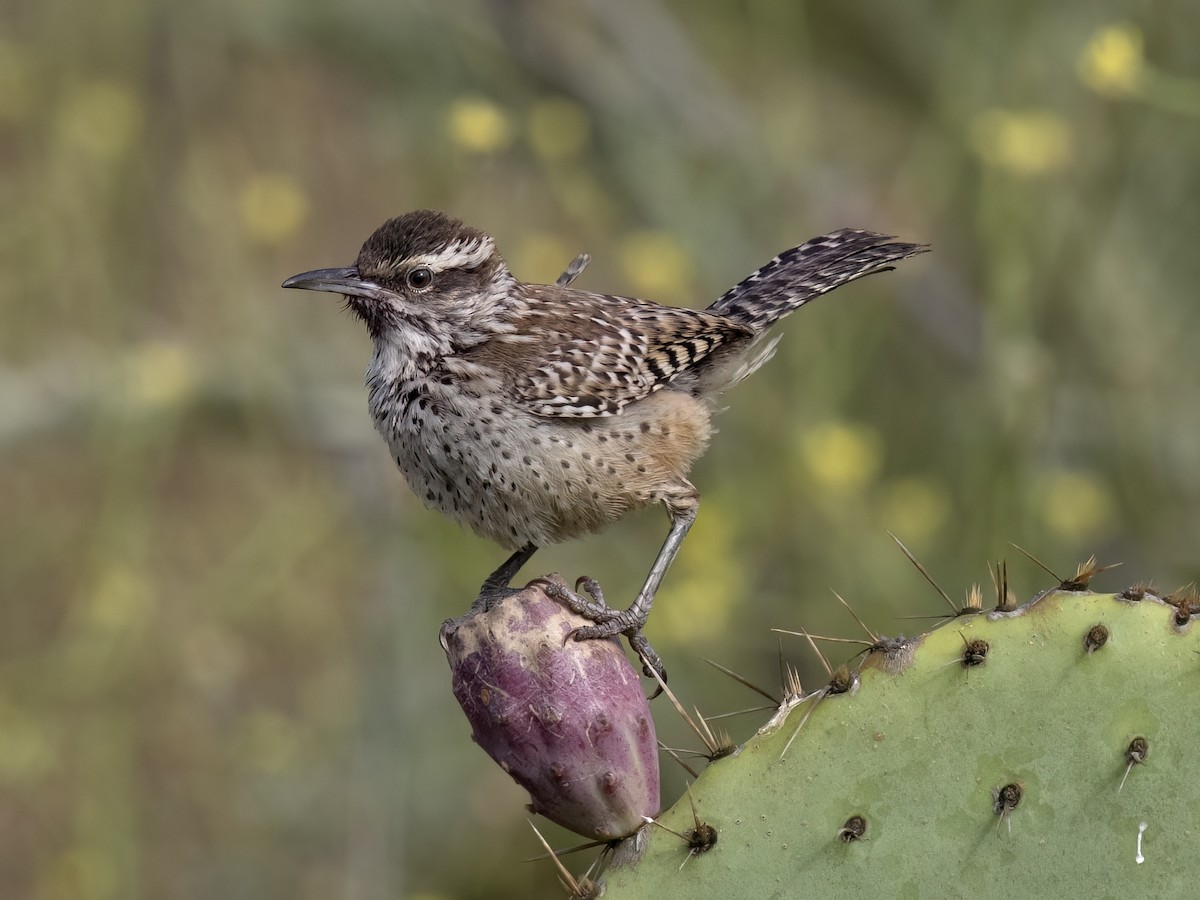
(915, 508)
(15, 94)
(272, 207)
(541, 258)
(658, 267)
(80, 872)
(558, 129)
(1076, 505)
(1025, 142)
(841, 456)
(270, 741)
(706, 582)
(1111, 63)
(28, 749)
(122, 598)
(102, 119)
(159, 375)
(478, 125)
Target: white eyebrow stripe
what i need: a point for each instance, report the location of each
(458, 255)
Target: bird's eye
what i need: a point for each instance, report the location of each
(420, 277)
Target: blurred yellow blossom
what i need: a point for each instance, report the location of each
(914, 508)
(583, 197)
(159, 374)
(541, 257)
(102, 119)
(1025, 142)
(558, 129)
(272, 206)
(269, 741)
(121, 598)
(841, 455)
(1076, 505)
(706, 581)
(656, 264)
(15, 96)
(77, 873)
(27, 749)
(478, 125)
(1111, 63)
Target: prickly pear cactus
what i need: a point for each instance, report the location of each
(1045, 751)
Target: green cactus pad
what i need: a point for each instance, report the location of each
(1001, 778)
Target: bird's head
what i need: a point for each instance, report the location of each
(421, 275)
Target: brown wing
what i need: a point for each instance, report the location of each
(600, 353)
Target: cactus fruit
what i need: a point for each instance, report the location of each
(566, 719)
(1045, 750)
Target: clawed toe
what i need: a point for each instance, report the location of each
(593, 589)
(651, 662)
(608, 622)
(593, 610)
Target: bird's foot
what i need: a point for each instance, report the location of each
(593, 608)
(609, 622)
(496, 588)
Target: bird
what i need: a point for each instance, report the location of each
(533, 414)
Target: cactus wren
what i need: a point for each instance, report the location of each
(537, 413)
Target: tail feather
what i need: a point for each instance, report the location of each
(816, 267)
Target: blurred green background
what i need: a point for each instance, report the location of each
(219, 674)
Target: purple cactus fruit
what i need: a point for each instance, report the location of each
(566, 719)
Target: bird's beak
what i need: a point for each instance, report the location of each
(338, 281)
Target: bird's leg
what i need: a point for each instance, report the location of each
(496, 586)
(682, 507)
(683, 513)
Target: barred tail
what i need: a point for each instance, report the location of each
(816, 267)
